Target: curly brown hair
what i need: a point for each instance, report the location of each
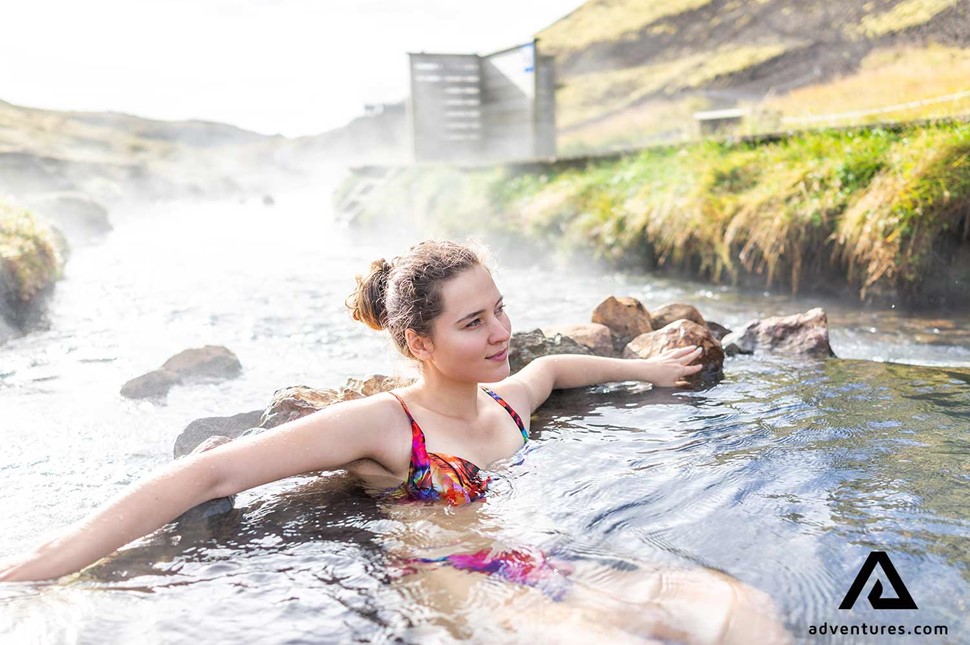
(405, 293)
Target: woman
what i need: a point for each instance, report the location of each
(422, 442)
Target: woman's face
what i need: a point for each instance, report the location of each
(470, 338)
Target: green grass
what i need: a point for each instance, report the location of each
(869, 207)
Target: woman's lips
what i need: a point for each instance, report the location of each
(500, 356)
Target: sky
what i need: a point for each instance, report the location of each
(292, 67)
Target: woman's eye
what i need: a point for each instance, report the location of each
(474, 323)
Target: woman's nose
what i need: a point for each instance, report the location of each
(498, 332)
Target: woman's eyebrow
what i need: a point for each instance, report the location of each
(479, 312)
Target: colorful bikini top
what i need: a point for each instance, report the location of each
(436, 476)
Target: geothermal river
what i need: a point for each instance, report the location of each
(785, 475)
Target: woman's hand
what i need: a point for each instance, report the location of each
(670, 368)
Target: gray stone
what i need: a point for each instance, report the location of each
(201, 430)
(718, 331)
(213, 509)
(211, 361)
(803, 334)
(154, 385)
(526, 346)
(593, 336)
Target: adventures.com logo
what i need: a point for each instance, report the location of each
(902, 599)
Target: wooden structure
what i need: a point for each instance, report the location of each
(719, 121)
(470, 108)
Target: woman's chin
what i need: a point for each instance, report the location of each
(497, 374)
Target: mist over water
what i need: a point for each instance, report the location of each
(782, 475)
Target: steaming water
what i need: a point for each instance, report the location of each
(785, 475)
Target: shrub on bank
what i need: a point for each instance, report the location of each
(29, 261)
(880, 211)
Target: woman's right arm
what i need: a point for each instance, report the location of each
(325, 440)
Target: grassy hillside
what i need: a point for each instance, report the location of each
(633, 72)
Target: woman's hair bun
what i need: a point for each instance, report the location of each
(368, 303)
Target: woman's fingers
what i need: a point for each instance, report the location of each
(678, 352)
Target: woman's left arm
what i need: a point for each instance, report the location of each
(543, 375)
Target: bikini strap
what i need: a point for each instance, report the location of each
(420, 462)
(512, 413)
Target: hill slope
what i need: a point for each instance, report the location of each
(634, 71)
(112, 156)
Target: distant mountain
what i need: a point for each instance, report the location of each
(111, 156)
(634, 71)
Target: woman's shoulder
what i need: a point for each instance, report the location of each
(381, 422)
(377, 410)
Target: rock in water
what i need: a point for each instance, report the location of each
(211, 361)
(627, 318)
(376, 383)
(718, 331)
(201, 430)
(681, 333)
(593, 336)
(294, 402)
(154, 385)
(663, 316)
(212, 509)
(526, 346)
(805, 334)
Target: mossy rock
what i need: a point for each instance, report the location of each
(30, 263)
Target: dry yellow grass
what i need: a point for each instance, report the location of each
(608, 20)
(887, 77)
(590, 96)
(906, 14)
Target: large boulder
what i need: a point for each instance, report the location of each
(804, 334)
(526, 346)
(663, 316)
(627, 318)
(681, 333)
(202, 363)
(593, 336)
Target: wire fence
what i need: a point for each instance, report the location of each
(889, 109)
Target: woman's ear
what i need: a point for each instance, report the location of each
(421, 347)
